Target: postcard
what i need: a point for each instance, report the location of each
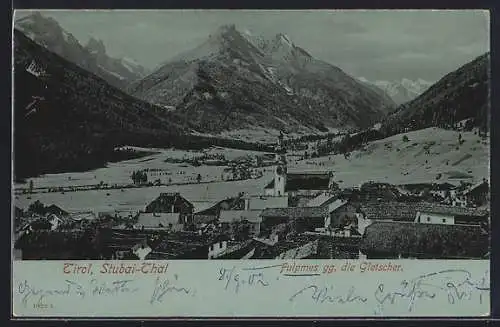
(251, 163)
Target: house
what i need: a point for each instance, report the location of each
(451, 215)
(263, 202)
(297, 247)
(54, 221)
(172, 203)
(391, 240)
(53, 209)
(442, 190)
(322, 199)
(216, 249)
(341, 213)
(160, 221)
(388, 211)
(478, 194)
(141, 250)
(211, 213)
(302, 218)
(422, 212)
(185, 245)
(249, 222)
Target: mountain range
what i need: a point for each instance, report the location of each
(47, 32)
(236, 81)
(400, 91)
(68, 118)
(460, 95)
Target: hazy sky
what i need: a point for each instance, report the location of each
(378, 45)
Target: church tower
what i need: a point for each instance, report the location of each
(281, 169)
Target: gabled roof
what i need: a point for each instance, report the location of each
(234, 203)
(407, 211)
(263, 202)
(304, 181)
(481, 186)
(336, 204)
(228, 216)
(425, 240)
(322, 199)
(154, 220)
(165, 201)
(53, 209)
(454, 210)
(295, 212)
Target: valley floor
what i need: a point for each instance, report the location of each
(429, 155)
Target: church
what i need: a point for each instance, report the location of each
(306, 184)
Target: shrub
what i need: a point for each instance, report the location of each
(405, 138)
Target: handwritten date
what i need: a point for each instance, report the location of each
(234, 279)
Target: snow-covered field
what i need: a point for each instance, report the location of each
(120, 173)
(390, 160)
(394, 161)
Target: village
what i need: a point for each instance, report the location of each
(297, 215)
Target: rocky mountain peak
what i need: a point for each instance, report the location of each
(96, 46)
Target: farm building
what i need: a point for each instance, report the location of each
(249, 220)
(423, 212)
(478, 194)
(172, 203)
(212, 213)
(55, 210)
(451, 215)
(390, 240)
(160, 221)
(302, 218)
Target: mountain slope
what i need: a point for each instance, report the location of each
(69, 119)
(461, 94)
(47, 32)
(233, 81)
(400, 91)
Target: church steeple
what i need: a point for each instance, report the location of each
(281, 167)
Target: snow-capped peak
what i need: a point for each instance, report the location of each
(400, 91)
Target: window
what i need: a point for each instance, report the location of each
(428, 219)
(444, 220)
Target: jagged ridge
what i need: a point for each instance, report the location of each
(233, 81)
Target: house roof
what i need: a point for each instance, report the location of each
(166, 200)
(481, 186)
(157, 219)
(336, 204)
(263, 202)
(425, 240)
(321, 199)
(305, 181)
(454, 210)
(234, 203)
(295, 212)
(56, 210)
(266, 251)
(228, 216)
(407, 211)
(84, 215)
(430, 186)
(201, 206)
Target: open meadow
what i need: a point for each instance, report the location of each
(429, 155)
